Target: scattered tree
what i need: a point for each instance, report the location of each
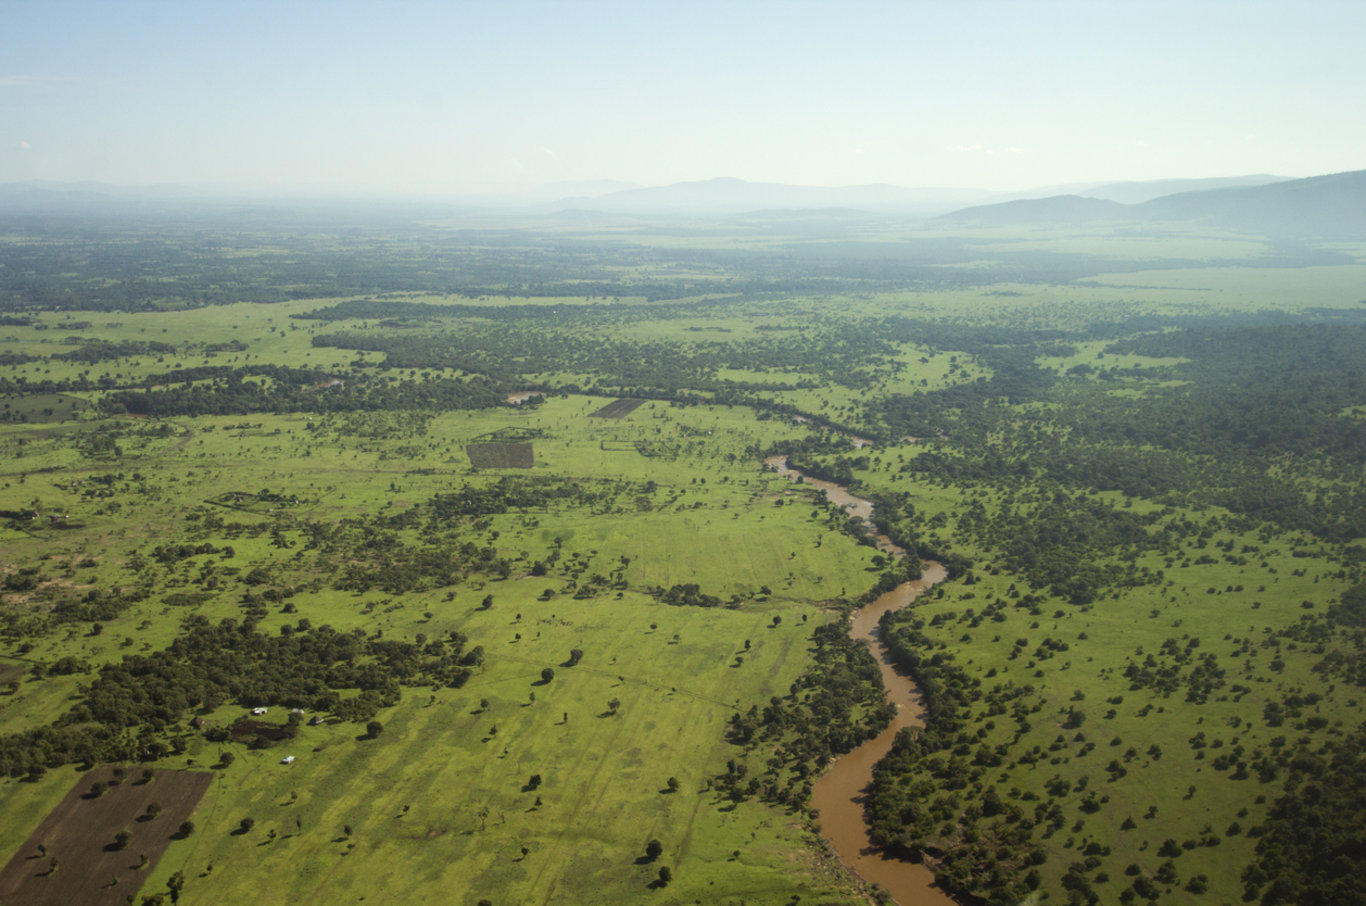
(176, 883)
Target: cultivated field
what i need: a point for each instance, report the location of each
(617, 409)
(501, 456)
(75, 855)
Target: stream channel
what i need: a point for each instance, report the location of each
(839, 794)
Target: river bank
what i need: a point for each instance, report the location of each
(839, 794)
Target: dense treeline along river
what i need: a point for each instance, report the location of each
(839, 793)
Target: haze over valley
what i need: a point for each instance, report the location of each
(725, 453)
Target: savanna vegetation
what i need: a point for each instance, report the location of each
(269, 510)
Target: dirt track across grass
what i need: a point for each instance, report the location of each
(79, 835)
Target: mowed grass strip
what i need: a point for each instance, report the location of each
(72, 857)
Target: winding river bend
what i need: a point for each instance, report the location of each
(839, 794)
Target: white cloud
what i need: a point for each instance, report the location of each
(23, 145)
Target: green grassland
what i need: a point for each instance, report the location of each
(712, 518)
(1149, 529)
(1229, 607)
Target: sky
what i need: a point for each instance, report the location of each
(505, 98)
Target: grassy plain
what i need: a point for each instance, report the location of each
(673, 494)
(415, 797)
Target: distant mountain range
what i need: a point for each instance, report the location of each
(1332, 207)
(1145, 190)
(1323, 207)
(737, 196)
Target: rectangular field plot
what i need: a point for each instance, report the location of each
(74, 856)
(617, 409)
(10, 671)
(501, 456)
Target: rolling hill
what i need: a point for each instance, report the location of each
(1319, 207)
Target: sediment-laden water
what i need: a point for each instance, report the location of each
(839, 793)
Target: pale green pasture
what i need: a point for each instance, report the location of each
(715, 518)
(1133, 245)
(1093, 353)
(414, 797)
(1253, 288)
(271, 335)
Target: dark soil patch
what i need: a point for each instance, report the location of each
(617, 409)
(246, 730)
(501, 456)
(10, 671)
(79, 831)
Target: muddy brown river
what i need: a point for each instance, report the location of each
(839, 793)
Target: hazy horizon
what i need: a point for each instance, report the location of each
(474, 99)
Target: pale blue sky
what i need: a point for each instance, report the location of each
(484, 97)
